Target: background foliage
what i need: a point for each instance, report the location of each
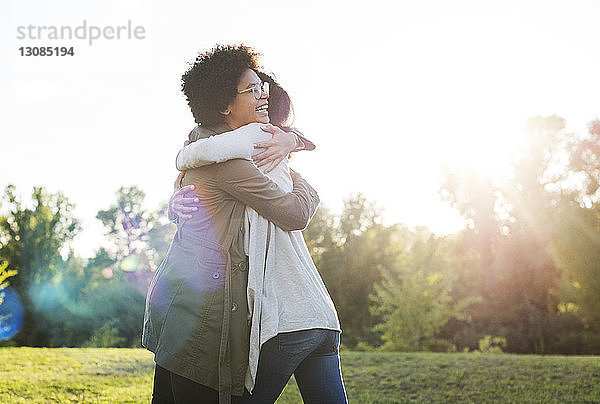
(523, 276)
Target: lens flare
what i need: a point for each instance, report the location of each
(140, 280)
(107, 272)
(11, 314)
(130, 263)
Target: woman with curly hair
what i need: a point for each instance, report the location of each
(196, 319)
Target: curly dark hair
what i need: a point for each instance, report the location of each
(210, 84)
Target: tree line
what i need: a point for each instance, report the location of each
(523, 275)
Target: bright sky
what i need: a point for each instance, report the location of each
(389, 91)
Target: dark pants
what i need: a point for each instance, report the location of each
(311, 355)
(170, 388)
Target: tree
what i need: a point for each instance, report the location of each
(577, 247)
(351, 251)
(31, 240)
(585, 163)
(415, 300)
(512, 222)
(138, 240)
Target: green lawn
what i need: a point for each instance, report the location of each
(50, 375)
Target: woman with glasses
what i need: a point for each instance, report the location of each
(200, 342)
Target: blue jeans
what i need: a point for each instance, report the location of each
(312, 356)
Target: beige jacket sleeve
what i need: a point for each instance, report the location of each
(288, 210)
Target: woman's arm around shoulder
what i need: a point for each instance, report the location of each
(235, 144)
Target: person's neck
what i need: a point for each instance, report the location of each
(219, 127)
(232, 123)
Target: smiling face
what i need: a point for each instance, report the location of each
(244, 108)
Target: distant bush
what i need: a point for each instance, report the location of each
(489, 344)
(105, 337)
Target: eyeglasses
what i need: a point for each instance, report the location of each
(257, 90)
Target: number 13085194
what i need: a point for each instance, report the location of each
(46, 51)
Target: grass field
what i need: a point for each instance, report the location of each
(110, 375)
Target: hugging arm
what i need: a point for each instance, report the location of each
(239, 143)
(214, 149)
(288, 210)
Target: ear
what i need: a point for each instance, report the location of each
(226, 112)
